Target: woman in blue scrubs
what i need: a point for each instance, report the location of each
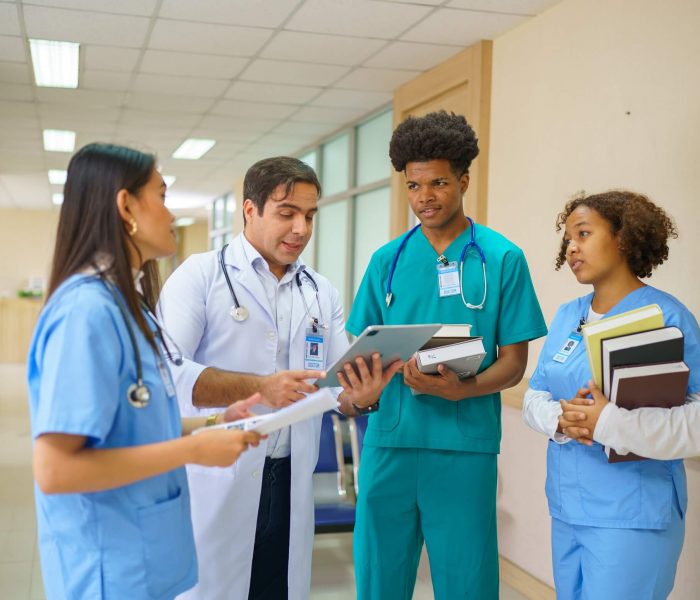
(617, 529)
(111, 498)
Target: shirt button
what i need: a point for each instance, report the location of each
(271, 335)
(255, 474)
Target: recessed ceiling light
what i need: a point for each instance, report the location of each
(58, 140)
(193, 148)
(169, 180)
(55, 63)
(184, 222)
(57, 199)
(57, 177)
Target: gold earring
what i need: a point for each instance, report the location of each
(133, 227)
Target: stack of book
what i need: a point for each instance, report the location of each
(637, 362)
(453, 347)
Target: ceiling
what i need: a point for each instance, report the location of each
(262, 77)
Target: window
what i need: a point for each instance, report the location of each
(221, 221)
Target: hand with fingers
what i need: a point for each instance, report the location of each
(240, 410)
(445, 383)
(580, 414)
(220, 447)
(363, 385)
(283, 388)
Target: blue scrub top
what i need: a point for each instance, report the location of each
(133, 541)
(511, 314)
(582, 487)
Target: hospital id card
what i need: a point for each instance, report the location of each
(569, 346)
(448, 279)
(313, 350)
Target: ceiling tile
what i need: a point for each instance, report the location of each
(23, 162)
(15, 73)
(105, 80)
(80, 98)
(408, 55)
(13, 110)
(109, 58)
(243, 124)
(206, 38)
(12, 49)
(271, 92)
(27, 190)
(53, 114)
(334, 116)
(224, 136)
(318, 48)
(193, 65)
(426, 2)
(9, 20)
(229, 12)
(15, 91)
(380, 80)
(515, 7)
(352, 99)
(123, 7)
(158, 118)
(368, 18)
(85, 27)
(277, 71)
(314, 130)
(194, 106)
(226, 150)
(238, 108)
(461, 27)
(184, 86)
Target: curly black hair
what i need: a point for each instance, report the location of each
(643, 227)
(437, 135)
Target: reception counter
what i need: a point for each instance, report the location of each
(17, 319)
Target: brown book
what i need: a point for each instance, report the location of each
(658, 385)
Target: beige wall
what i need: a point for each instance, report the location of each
(592, 95)
(26, 246)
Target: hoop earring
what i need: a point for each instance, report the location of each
(133, 227)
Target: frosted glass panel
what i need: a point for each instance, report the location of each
(371, 229)
(335, 165)
(372, 151)
(310, 159)
(307, 256)
(332, 237)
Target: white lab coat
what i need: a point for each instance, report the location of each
(195, 307)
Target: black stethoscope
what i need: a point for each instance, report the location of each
(138, 394)
(240, 313)
(468, 246)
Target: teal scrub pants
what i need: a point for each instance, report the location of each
(445, 498)
(600, 563)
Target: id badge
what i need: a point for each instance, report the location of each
(448, 279)
(313, 350)
(166, 377)
(569, 346)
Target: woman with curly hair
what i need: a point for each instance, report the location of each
(617, 528)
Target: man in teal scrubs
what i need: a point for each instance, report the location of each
(429, 460)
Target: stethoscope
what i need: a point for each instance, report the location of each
(468, 246)
(240, 313)
(138, 394)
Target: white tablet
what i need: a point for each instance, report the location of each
(391, 341)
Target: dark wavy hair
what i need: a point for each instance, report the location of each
(436, 136)
(642, 227)
(89, 223)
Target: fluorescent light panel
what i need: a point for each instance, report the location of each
(57, 199)
(193, 148)
(57, 177)
(184, 222)
(57, 140)
(56, 64)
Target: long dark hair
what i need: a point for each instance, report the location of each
(90, 224)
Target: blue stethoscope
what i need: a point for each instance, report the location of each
(240, 313)
(468, 246)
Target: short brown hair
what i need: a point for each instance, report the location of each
(643, 227)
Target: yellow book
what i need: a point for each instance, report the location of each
(632, 321)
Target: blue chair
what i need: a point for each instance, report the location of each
(357, 426)
(334, 511)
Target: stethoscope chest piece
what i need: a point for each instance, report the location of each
(138, 395)
(239, 313)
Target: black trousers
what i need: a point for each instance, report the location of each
(268, 579)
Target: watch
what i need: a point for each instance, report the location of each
(367, 409)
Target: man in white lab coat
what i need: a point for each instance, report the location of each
(252, 318)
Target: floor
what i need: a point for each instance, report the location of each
(20, 569)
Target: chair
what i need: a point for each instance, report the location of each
(357, 426)
(334, 511)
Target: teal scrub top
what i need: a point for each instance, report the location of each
(511, 314)
(582, 487)
(133, 541)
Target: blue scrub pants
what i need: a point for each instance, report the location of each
(597, 563)
(446, 498)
